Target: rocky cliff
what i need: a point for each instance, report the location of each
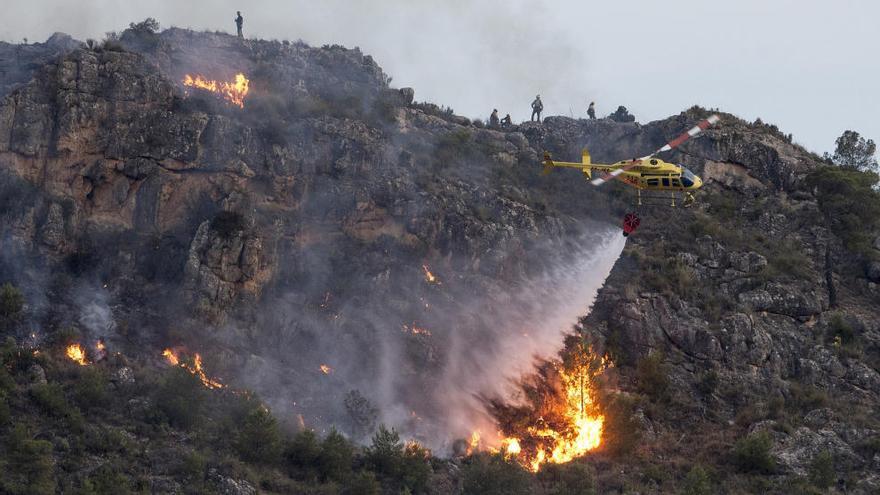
(357, 257)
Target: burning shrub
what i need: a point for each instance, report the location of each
(561, 419)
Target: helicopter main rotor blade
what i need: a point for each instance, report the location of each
(693, 131)
(598, 181)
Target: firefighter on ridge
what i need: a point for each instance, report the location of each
(537, 108)
(239, 20)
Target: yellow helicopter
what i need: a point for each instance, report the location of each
(646, 173)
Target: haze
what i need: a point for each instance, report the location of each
(807, 66)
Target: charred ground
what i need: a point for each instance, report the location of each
(294, 233)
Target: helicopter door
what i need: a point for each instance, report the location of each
(665, 182)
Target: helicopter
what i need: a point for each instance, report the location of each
(647, 173)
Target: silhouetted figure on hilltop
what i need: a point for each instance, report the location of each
(239, 20)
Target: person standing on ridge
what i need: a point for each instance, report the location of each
(493, 119)
(239, 20)
(591, 112)
(537, 107)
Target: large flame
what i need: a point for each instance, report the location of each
(195, 368)
(76, 353)
(568, 423)
(233, 92)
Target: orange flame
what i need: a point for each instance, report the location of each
(580, 415)
(233, 92)
(76, 353)
(416, 330)
(196, 368)
(326, 369)
(430, 277)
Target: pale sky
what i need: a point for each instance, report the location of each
(809, 66)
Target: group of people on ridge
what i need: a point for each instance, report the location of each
(537, 108)
(504, 123)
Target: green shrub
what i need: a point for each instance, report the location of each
(50, 398)
(336, 457)
(804, 398)
(850, 204)
(302, 454)
(193, 466)
(839, 328)
(259, 439)
(621, 431)
(652, 376)
(404, 466)
(107, 480)
(697, 482)
(821, 472)
(90, 391)
(708, 382)
(486, 474)
(180, 397)
(11, 305)
(28, 466)
(568, 479)
(751, 454)
(363, 483)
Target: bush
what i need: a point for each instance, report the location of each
(652, 376)
(850, 205)
(50, 398)
(11, 301)
(708, 382)
(29, 467)
(180, 397)
(568, 479)
(821, 472)
(11, 306)
(486, 474)
(751, 454)
(363, 483)
(621, 430)
(334, 463)
(90, 390)
(403, 466)
(302, 455)
(839, 328)
(622, 115)
(259, 440)
(697, 482)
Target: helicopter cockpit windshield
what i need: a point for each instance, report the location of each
(687, 177)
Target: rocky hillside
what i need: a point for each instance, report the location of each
(357, 258)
